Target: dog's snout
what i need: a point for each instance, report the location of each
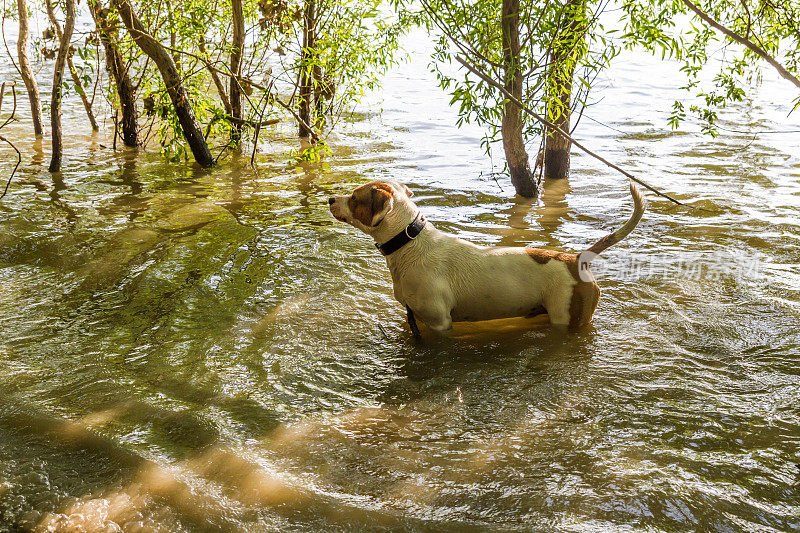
(331, 201)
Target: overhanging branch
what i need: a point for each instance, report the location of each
(743, 41)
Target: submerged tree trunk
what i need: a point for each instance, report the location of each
(119, 73)
(192, 130)
(25, 69)
(517, 157)
(306, 92)
(236, 65)
(566, 46)
(87, 105)
(58, 78)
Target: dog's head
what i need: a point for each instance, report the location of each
(379, 208)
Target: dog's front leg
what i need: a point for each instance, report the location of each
(412, 323)
(436, 317)
(428, 299)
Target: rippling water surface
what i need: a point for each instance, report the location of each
(188, 350)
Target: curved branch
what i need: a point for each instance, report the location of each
(19, 160)
(13, 112)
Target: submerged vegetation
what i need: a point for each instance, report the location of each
(192, 75)
(201, 77)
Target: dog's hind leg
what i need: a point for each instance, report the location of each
(558, 309)
(575, 311)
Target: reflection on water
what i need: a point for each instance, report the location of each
(192, 350)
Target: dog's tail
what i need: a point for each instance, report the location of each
(613, 238)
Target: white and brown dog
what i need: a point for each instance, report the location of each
(442, 279)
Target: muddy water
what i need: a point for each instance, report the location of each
(187, 350)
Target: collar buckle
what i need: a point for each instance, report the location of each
(408, 234)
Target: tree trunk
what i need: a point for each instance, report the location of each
(223, 94)
(58, 78)
(521, 176)
(319, 98)
(117, 70)
(25, 69)
(192, 131)
(236, 65)
(87, 105)
(305, 77)
(559, 87)
(173, 37)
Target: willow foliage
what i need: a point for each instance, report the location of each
(673, 30)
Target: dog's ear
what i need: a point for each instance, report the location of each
(382, 203)
(371, 203)
(408, 191)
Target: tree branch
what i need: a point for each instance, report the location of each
(549, 124)
(280, 102)
(13, 112)
(743, 41)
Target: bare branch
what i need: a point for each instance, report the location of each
(19, 160)
(13, 112)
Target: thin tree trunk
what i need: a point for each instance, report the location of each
(319, 98)
(305, 78)
(236, 65)
(58, 78)
(192, 130)
(87, 105)
(223, 94)
(173, 37)
(117, 70)
(517, 157)
(25, 69)
(559, 85)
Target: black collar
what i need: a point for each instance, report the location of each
(404, 237)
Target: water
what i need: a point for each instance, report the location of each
(189, 350)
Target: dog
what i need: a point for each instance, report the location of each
(442, 279)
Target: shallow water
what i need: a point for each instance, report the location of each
(189, 350)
